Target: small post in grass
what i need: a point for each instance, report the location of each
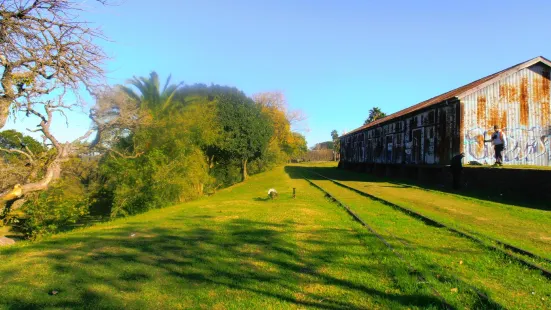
(294, 193)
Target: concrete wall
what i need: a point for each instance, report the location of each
(528, 183)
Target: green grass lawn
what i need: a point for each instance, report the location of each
(233, 250)
(448, 260)
(524, 227)
(238, 250)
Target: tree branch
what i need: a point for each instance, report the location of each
(45, 47)
(31, 159)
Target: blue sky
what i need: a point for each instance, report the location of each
(334, 60)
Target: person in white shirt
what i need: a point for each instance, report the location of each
(499, 141)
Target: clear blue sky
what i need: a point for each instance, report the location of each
(333, 59)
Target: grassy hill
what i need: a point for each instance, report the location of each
(233, 250)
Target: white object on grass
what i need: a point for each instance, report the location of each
(271, 190)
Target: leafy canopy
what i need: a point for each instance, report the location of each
(11, 139)
(150, 95)
(246, 131)
(374, 114)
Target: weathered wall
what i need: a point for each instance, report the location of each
(425, 137)
(526, 185)
(520, 104)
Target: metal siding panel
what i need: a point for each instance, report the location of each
(399, 147)
(366, 147)
(429, 145)
(454, 127)
(446, 138)
(417, 146)
(520, 104)
(408, 143)
(393, 142)
(388, 146)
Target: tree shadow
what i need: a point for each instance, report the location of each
(259, 258)
(519, 199)
(262, 199)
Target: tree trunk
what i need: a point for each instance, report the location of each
(211, 162)
(52, 172)
(244, 169)
(9, 95)
(4, 111)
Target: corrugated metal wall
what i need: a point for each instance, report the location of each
(520, 104)
(425, 137)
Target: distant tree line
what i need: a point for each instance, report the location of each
(319, 155)
(322, 151)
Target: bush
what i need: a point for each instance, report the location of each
(51, 211)
(154, 180)
(226, 173)
(270, 158)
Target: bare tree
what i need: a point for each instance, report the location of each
(45, 53)
(114, 114)
(45, 48)
(276, 99)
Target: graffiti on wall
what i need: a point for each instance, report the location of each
(524, 146)
(408, 145)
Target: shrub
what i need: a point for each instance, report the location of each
(154, 180)
(51, 211)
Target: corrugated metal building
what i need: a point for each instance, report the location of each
(433, 131)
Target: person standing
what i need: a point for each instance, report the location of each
(499, 141)
(457, 169)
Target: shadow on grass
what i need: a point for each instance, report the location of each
(298, 172)
(262, 199)
(254, 257)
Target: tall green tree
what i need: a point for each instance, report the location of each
(336, 144)
(374, 114)
(246, 131)
(150, 95)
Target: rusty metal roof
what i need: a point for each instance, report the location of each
(458, 92)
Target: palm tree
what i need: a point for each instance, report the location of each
(374, 114)
(150, 94)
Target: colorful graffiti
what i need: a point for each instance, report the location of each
(524, 146)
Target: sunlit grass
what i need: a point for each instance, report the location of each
(521, 226)
(240, 250)
(234, 250)
(448, 261)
